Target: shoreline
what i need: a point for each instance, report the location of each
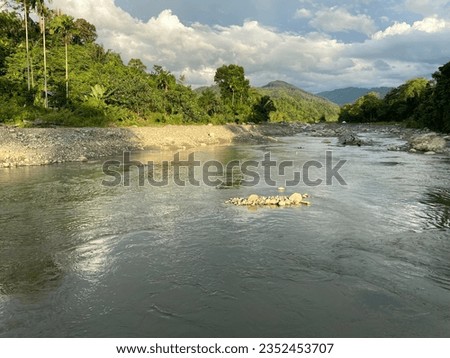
(43, 146)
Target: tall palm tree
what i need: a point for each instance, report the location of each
(26, 9)
(64, 26)
(41, 10)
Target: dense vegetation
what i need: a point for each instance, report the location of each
(418, 103)
(54, 71)
(294, 104)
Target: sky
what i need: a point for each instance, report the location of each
(315, 45)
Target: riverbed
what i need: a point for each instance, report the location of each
(370, 258)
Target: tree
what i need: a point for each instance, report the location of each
(435, 109)
(365, 109)
(63, 26)
(210, 102)
(42, 12)
(262, 109)
(401, 103)
(11, 32)
(164, 79)
(234, 87)
(137, 64)
(85, 33)
(26, 8)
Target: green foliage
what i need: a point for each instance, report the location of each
(90, 86)
(262, 109)
(365, 109)
(401, 103)
(234, 88)
(293, 104)
(434, 109)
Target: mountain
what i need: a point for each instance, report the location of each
(295, 104)
(351, 94)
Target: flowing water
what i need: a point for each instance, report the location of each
(368, 259)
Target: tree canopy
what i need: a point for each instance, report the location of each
(56, 61)
(418, 102)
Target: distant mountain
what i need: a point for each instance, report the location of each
(295, 104)
(351, 94)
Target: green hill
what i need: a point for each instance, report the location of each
(295, 104)
(351, 94)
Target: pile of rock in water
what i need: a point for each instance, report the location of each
(271, 201)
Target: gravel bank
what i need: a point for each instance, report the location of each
(42, 146)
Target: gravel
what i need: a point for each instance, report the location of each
(43, 146)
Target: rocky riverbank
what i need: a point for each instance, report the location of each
(42, 146)
(416, 140)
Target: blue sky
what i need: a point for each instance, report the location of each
(316, 45)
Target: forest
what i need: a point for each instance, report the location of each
(53, 72)
(417, 103)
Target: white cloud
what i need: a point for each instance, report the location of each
(302, 13)
(338, 19)
(428, 25)
(314, 61)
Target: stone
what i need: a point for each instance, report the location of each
(296, 198)
(350, 138)
(253, 199)
(82, 159)
(430, 153)
(429, 142)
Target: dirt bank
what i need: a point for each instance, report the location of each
(41, 146)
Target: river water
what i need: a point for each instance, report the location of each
(367, 259)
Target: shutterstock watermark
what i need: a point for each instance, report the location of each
(213, 173)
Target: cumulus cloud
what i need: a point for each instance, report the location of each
(314, 61)
(338, 19)
(428, 25)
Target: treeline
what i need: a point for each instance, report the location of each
(53, 70)
(417, 103)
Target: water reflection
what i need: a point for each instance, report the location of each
(81, 259)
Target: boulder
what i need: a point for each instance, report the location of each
(296, 198)
(349, 138)
(429, 142)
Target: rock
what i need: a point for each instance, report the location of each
(413, 150)
(430, 153)
(82, 159)
(253, 199)
(273, 202)
(296, 198)
(429, 142)
(350, 138)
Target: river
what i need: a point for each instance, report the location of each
(367, 259)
